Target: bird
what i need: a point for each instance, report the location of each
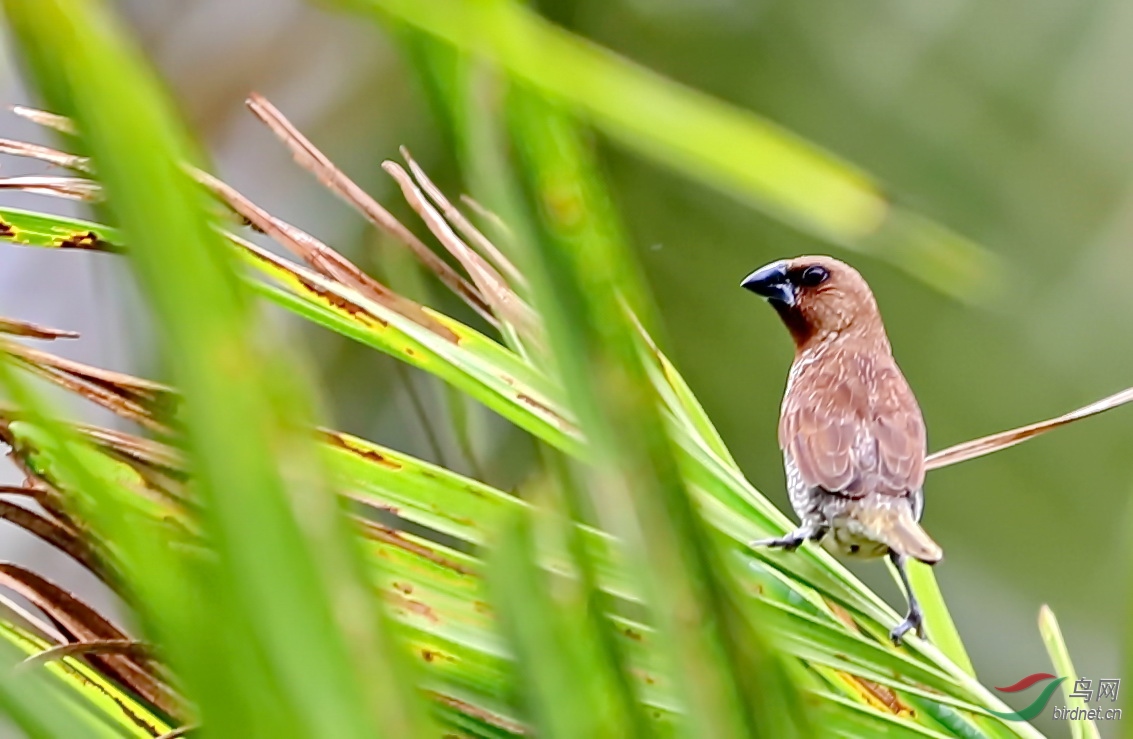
(850, 429)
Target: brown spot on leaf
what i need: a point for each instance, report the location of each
(461, 520)
(393, 537)
(346, 306)
(412, 606)
(478, 713)
(880, 697)
(563, 202)
(344, 442)
(7, 230)
(537, 404)
(422, 609)
(431, 655)
(88, 240)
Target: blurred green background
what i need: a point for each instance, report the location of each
(1011, 123)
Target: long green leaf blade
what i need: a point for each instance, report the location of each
(705, 138)
(329, 672)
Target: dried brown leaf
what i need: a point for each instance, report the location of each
(162, 467)
(133, 398)
(80, 623)
(319, 257)
(54, 533)
(34, 331)
(37, 491)
(507, 305)
(24, 491)
(1004, 439)
(17, 615)
(135, 449)
(43, 118)
(310, 158)
(482, 212)
(453, 215)
(45, 154)
(73, 188)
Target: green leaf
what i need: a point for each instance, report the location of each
(565, 685)
(80, 689)
(725, 147)
(1060, 658)
(263, 654)
(40, 710)
(583, 273)
(939, 626)
(461, 507)
(436, 594)
(57, 232)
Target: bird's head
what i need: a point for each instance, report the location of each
(818, 298)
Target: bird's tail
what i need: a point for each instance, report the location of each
(895, 525)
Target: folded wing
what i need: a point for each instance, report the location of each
(852, 426)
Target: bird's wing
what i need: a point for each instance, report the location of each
(852, 426)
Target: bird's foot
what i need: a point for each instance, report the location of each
(792, 540)
(914, 621)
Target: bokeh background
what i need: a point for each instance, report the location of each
(1011, 123)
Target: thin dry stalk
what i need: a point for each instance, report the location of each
(1004, 439)
(451, 213)
(129, 397)
(33, 330)
(72, 188)
(62, 124)
(313, 160)
(45, 154)
(319, 256)
(491, 217)
(491, 284)
(54, 533)
(129, 647)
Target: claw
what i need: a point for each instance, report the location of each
(912, 622)
(788, 543)
(914, 619)
(792, 540)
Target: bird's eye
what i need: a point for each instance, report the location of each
(813, 276)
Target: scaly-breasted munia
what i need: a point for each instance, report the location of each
(851, 432)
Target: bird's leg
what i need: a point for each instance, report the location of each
(914, 619)
(794, 539)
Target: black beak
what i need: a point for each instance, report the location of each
(771, 282)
